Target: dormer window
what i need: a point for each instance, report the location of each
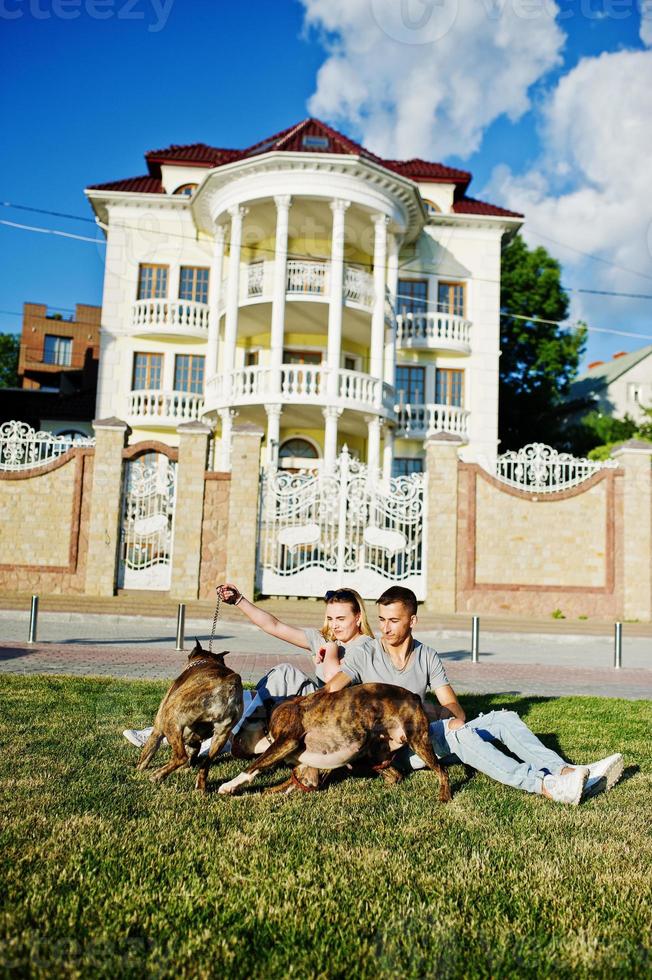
(186, 190)
(315, 142)
(431, 208)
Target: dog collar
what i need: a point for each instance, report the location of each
(196, 663)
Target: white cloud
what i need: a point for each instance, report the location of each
(426, 77)
(591, 189)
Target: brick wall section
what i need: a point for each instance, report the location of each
(212, 568)
(187, 547)
(104, 531)
(242, 530)
(84, 330)
(441, 545)
(526, 554)
(634, 457)
(44, 517)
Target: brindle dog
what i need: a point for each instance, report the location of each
(204, 701)
(324, 731)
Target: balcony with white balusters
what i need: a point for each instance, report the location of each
(433, 331)
(152, 409)
(177, 319)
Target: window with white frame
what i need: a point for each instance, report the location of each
(57, 350)
(189, 373)
(148, 369)
(193, 283)
(152, 281)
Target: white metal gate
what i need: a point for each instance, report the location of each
(148, 498)
(322, 531)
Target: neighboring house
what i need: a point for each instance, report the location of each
(622, 386)
(308, 286)
(57, 371)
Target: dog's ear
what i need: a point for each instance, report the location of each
(197, 649)
(222, 654)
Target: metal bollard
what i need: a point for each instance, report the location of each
(618, 646)
(33, 620)
(181, 625)
(475, 640)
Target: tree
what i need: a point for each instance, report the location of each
(538, 360)
(9, 349)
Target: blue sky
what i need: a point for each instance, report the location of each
(84, 98)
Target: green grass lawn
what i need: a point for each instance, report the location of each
(106, 875)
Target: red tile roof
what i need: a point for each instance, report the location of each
(469, 205)
(293, 139)
(137, 185)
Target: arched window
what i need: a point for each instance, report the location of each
(298, 449)
(431, 207)
(186, 189)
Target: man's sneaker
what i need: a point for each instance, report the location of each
(567, 788)
(136, 737)
(603, 775)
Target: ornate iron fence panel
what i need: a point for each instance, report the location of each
(22, 448)
(323, 530)
(148, 501)
(541, 469)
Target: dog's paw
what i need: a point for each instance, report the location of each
(226, 789)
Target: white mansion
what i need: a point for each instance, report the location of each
(306, 285)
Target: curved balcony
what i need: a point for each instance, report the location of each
(433, 331)
(305, 279)
(151, 409)
(305, 384)
(169, 318)
(420, 421)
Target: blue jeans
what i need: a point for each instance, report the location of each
(473, 745)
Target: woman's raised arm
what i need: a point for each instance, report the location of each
(263, 620)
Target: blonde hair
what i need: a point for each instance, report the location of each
(355, 600)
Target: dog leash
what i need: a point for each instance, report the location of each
(215, 618)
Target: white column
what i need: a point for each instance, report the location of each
(279, 288)
(232, 296)
(338, 207)
(331, 414)
(174, 274)
(388, 453)
(214, 297)
(373, 444)
(392, 286)
(378, 315)
(273, 433)
(227, 416)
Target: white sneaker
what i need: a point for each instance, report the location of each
(567, 788)
(136, 737)
(603, 775)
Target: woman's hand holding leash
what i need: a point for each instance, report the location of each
(230, 594)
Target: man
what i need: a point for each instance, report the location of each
(397, 658)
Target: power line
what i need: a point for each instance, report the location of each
(587, 255)
(57, 214)
(53, 231)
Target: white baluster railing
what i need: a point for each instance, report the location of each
(358, 286)
(423, 420)
(168, 314)
(359, 388)
(433, 330)
(302, 381)
(307, 277)
(166, 406)
(255, 275)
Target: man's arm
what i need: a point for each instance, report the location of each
(337, 683)
(450, 707)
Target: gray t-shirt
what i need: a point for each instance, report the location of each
(367, 663)
(317, 642)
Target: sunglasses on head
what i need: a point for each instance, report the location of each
(340, 595)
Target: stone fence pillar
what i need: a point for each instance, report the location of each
(189, 509)
(441, 547)
(104, 527)
(242, 533)
(634, 457)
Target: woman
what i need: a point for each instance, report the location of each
(345, 624)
